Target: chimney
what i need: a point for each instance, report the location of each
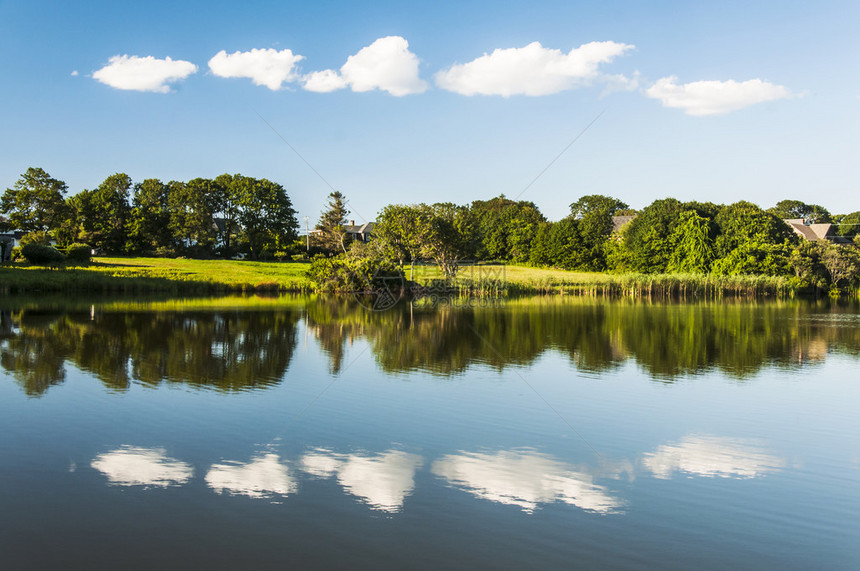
(352, 222)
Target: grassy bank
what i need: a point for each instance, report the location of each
(143, 275)
(523, 280)
(181, 276)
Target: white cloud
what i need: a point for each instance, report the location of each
(530, 70)
(262, 477)
(382, 480)
(267, 67)
(386, 64)
(714, 97)
(74, 73)
(324, 81)
(133, 466)
(143, 73)
(711, 456)
(523, 478)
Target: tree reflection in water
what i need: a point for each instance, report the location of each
(248, 348)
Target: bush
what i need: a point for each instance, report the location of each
(41, 255)
(342, 274)
(38, 238)
(165, 252)
(79, 253)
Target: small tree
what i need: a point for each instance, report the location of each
(332, 222)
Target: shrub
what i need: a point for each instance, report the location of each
(41, 255)
(342, 274)
(79, 253)
(38, 238)
(165, 252)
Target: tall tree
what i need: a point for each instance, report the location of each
(264, 213)
(647, 238)
(192, 208)
(112, 211)
(597, 203)
(398, 233)
(693, 244)
(149, 227)
(35, 203)
(743, 222)
(332, 222)
(446, 235)
(787, 209)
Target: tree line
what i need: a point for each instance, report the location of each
(201, 217)
(234, 213)
(667, 236)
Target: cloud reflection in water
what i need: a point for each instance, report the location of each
(711, 456)
(135, 466)
(382, 480)
(263, 477)
(523, 478)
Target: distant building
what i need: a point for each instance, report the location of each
(362, 232)
(619, 222)
(8, 239)
(807, 230)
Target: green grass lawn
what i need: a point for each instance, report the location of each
(179, 276)
(156, 275)
(233, 274)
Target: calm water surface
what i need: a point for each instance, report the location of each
(541, 434)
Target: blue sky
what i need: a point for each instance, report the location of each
(401, 102)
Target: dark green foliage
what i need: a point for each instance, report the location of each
(790, 209)
(149, 226)
(648, 238)
(597, 203)
(755, 258)
(40, 238)
(41, 255)
(192, 209)
(693, 240)
(743, 222)
(79, 253)
(35, 203)
(503, 229)
(847, 225)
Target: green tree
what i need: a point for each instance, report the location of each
(847, 225)
(35, 203)
(446, 235)
(101, 216)
(597, 203)
(331, 225)
(264, 214)
(500, 228)
(788, 209)
(149, 226)
(842, 264)
(398, 233)
(743, 222)
(753, 257)
(112, 212)
(693, 244)
(192, 207)
(648, 238)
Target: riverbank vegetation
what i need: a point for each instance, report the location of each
(601, 247)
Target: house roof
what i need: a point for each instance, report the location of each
(811, 232)
(618, 222)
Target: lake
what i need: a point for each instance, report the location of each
(543, 433)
